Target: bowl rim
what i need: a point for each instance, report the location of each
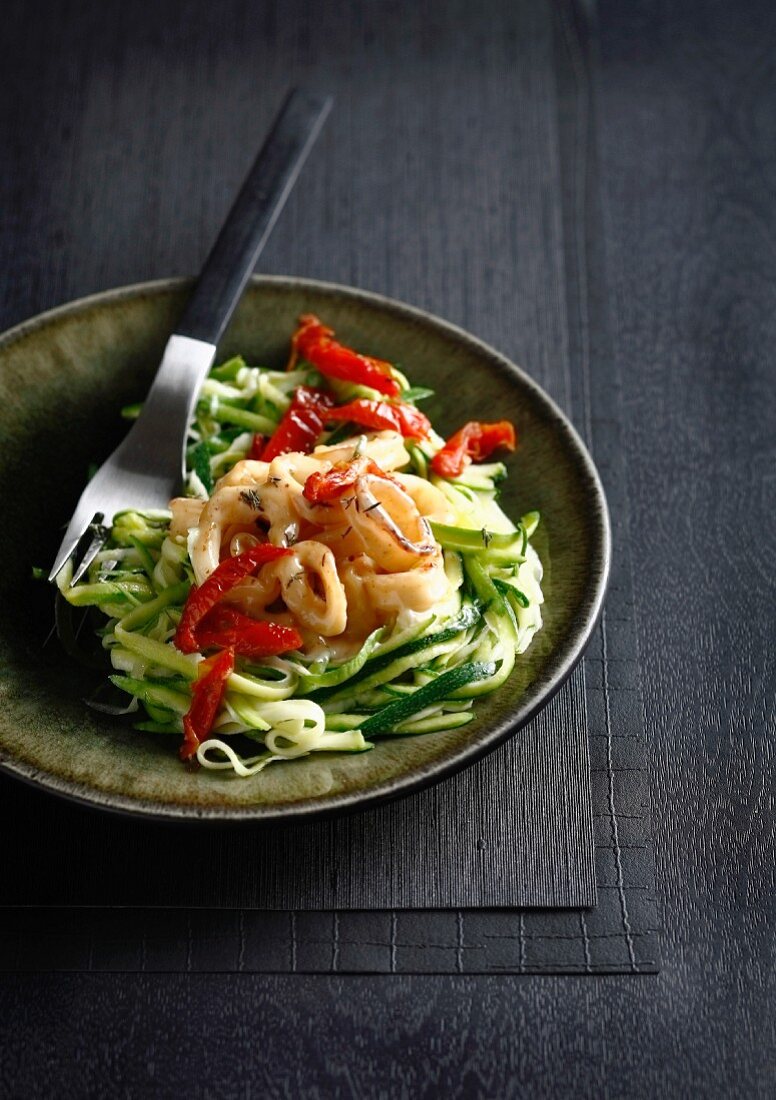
(560, 662)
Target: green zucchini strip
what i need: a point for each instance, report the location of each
(496, 545)
(386, 720)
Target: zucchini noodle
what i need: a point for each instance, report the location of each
(413, 594)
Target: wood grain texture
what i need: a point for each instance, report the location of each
(688, 227)
(614, 938)
(685, 103)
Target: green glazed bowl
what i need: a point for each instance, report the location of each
(63, 378)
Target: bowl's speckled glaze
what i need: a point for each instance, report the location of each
(63, 378)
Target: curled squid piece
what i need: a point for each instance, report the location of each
(185, 515)
(283, 496)
(429, 501)
(385, 448)
(229, 507)
(311, 588)
(248, 472)
(377, 598)
(393, 532)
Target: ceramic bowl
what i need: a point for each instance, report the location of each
(63, 378)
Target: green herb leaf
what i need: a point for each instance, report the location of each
(417, 393)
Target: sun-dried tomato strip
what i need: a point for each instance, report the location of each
(322, 487)
(381, 415)
(229, 573)
(315, 342)
(474, 441)
(207, 693)
(226, 627)
(302, 424)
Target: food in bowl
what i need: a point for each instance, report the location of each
(336, 571)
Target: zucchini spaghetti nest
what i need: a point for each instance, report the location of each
(336, 572)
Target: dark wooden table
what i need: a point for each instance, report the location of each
(126, 127)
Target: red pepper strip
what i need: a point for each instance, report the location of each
(473, 441)
(257, 446)
(207, 693)
(315, 343)
(405, 419)
(225, 626)
(229, 573)
(301, 425)
(322, 487)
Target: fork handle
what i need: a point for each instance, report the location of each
(252, 217)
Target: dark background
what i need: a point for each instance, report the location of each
(125, 128)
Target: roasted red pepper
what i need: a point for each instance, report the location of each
(258, 443)
(225, 626)
(207, 693)
(379, 415)
(474, 441)
(301, 425)
(315, 342)
(229, 573)
(320, 488)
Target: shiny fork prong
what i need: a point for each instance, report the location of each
(89, 545)
(78, 541)
(69, 545)
(66, 551)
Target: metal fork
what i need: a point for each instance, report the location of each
(147, 468)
